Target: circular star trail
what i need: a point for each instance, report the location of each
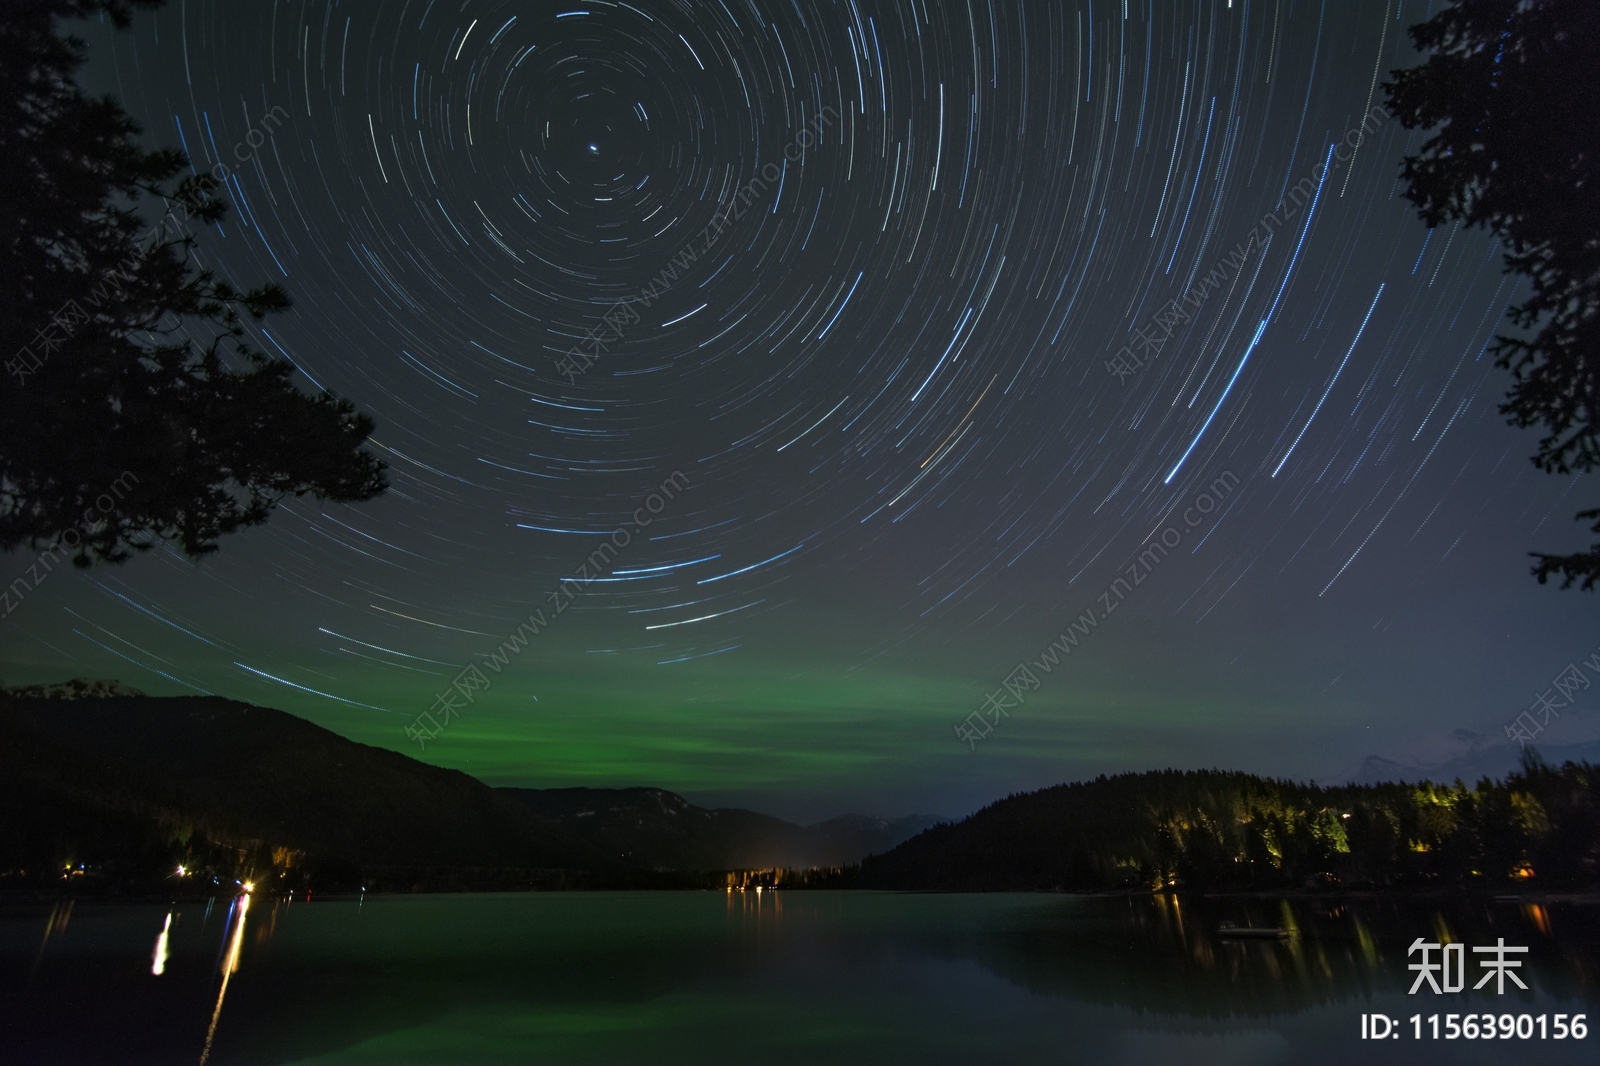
(861, 272)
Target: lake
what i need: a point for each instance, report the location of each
(782, 977)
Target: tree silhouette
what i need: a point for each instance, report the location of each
(129, 379)
(1512, 90)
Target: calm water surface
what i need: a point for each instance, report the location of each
(786, 977)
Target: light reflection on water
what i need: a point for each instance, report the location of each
(784, 976)
(230, 964)
(158, 959)
(54, 926)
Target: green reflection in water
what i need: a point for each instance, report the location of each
(784, 977)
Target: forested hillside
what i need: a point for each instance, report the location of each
(1539, 827)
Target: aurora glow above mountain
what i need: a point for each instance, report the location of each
(883, 379)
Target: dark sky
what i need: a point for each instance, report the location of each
(885, 383)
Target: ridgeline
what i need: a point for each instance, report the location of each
(1218, 831)
(118, 791)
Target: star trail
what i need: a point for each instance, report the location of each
(877, 258)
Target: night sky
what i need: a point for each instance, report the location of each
(885, 382)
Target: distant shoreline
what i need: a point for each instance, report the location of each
(12, 897)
